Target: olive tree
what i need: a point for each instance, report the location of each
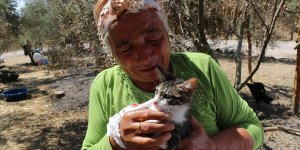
(8, 24)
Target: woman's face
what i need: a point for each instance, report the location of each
(140, 43)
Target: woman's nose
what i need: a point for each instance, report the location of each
(143, 52)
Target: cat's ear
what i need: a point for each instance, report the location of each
(189, 85)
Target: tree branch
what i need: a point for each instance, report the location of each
(266, 42)
(291, 12)
(258, 14)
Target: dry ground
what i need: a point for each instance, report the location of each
(279, 79)
(44, 122)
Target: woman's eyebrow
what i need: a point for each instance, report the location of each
(151, 30)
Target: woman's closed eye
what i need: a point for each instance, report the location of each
(153, 37)
(126, 49)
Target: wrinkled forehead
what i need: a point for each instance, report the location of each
(135, 23)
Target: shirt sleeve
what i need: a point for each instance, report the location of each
(231, 108)
(96, 138)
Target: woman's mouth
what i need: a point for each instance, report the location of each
(149, 69)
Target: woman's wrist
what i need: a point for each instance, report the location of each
(113, 144)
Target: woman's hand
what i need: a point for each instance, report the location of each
(198, 140)
(134, 128)
(233, 138)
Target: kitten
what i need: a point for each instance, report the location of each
(172, 96)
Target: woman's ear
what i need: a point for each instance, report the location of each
(189, 85)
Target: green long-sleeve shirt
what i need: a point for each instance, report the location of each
(215, 103)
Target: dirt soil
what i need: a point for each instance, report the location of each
(42, 121)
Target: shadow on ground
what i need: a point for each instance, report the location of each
(76, 88)
(42, 136)
(273, 110)
(278, 112)
(69, 136)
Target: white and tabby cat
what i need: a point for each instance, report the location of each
(172, 96)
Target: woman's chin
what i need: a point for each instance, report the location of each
(148, 79)
(151, 76)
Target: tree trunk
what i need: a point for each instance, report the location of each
(292, 33)
(201, 27)
(249, 40)
(296, 97)
(238, 59)
(294, 26)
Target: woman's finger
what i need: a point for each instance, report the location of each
(147, 114)
(151, 142)
(149, 127)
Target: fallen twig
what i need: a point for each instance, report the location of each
(281, 128)
(296, 117)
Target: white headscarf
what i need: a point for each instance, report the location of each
(106, 11)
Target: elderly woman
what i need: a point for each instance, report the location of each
(136, 33)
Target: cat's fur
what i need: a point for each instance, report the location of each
(172, 96)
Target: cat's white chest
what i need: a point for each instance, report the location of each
(179, 113)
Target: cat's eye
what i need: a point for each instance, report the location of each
(166, 96)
